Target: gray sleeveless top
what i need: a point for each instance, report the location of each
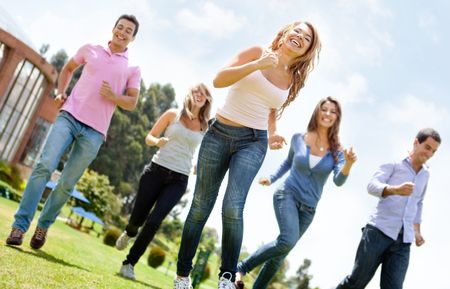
(178, 152)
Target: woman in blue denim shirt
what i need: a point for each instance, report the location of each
(312, 157)
(262, 81)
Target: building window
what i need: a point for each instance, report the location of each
(36, 142)
(21, 100)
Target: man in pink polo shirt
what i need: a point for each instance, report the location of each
(106, 81)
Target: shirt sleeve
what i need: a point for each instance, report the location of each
(338, 177)
(418, 217)
(80, 56)
(134, 77)
(380, 179)
(285, 165)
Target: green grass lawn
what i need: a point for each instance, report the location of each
(72, 259)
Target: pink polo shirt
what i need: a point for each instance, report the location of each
(85, 102)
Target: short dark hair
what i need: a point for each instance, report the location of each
(130, 18)
(425, 133)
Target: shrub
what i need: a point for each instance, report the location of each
(111, 236)
(9, 192)
(156, 257)
(10, 174)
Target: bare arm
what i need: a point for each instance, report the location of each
(276, 141)
(127, 101)
(246, 62)
(152, 138)
(65, 76)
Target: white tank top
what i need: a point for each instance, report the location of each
(313, 160)
(250, 99)
(177, 153)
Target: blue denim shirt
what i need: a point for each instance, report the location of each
(394, 212)
(307, 183)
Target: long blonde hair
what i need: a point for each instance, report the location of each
(204, 114)
(303, 64)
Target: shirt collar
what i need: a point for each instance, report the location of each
(123, 54)
(409, 162)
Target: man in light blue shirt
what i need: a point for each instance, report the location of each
(396, 222)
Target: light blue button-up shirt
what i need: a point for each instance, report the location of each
(394, 212)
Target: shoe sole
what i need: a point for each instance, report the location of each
(13, 243)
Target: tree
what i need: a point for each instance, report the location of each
(103, 202)
(58, 60)
(302, 278)
(44, 48)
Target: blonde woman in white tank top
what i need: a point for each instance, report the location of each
(164, 180)
(262, 81)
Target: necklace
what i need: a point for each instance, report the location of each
(318, 144)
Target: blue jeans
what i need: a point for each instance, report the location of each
(376, 248)
(160, 189)
(86, 143)
(293, 219)
(240, 151)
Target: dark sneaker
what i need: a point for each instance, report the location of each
(38, 239)
(15, 237)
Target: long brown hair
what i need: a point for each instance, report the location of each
(333, 132)
(204, 114)
(303, 65)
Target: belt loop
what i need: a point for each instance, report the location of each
(254, 134)
(211, 122)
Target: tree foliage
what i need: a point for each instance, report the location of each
(103, 202)
(302, 278)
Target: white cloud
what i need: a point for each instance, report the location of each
(373, 47)
(219, 22)
(415, 112)
(354, 89)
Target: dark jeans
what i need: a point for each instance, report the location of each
(374, 249)
(160, 189)
(240, 151)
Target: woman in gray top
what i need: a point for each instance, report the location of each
(165, 179)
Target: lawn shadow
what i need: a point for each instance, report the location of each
(137, 281)
(47, 257)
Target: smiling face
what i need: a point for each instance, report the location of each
(327, 115)
(298, 39)
(198, 97)
(123, 33)
(422, 152)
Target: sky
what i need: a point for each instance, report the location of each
(386, 61)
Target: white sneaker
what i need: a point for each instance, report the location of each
(127, 271)
(225, 283)
(182, 283)
(122, 241)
